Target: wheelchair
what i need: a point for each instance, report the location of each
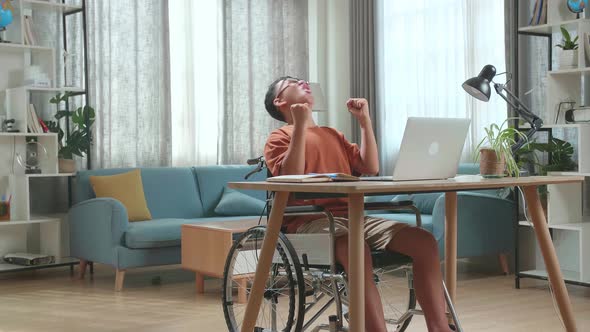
(305, 280)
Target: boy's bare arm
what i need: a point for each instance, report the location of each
(359, 107)
(294, 162)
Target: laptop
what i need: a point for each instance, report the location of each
(430, 150)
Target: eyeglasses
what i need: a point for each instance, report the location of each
(287, 82)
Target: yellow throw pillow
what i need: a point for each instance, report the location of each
(128, 189)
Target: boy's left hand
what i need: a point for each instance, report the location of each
(359, 107)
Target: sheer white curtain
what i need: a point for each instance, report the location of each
(196, 60)
(425, 50)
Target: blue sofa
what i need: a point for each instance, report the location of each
(100, 231)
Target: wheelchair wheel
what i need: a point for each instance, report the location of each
(282, 307)
(398, 297)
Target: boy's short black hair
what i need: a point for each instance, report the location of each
(269, 100)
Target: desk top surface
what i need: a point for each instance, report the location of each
(461, 183)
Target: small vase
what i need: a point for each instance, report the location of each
(490, 165)
(67, 165)
(568, 59)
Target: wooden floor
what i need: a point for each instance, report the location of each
(52, 300)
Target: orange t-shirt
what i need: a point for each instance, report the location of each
(326, 151)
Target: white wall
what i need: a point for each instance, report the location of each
(329, 59)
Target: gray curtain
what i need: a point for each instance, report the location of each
(128, 81)
(263, 40)
(362, 58)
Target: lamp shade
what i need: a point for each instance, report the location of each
(479, 86)
(319, 101)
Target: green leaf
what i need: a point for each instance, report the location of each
(565, 34)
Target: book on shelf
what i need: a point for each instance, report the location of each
(34, 124)
(313, 177)
(29, 33)
(539, 13)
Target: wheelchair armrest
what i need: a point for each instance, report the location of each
(304, 209)
(399, 205)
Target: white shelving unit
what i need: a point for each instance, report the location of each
(567, 217)
(26, 229)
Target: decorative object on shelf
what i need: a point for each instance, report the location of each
(539, 14)
(5, 207)
(36, 77)
(28, 259)
(577, 6)
(495, 155)
(2, 119)
(6, 17)
(569, 55)
(79, 140)
(9, 126)
(479, 87)
(573, 114)
(35, 153)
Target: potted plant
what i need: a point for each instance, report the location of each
(569, 54)
(79, 139)
(495, 151)
(561, 160)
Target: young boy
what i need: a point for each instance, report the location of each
(302, 147)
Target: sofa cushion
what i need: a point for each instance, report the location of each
(211, 181)
(170, 192)
(235, 203)
(160, 233)
(407, 218)
(127, 188)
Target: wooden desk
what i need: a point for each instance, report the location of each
(356, 191)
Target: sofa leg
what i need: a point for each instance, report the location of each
(503, 258)
(119, 278)
(200, 283)
(83, 265)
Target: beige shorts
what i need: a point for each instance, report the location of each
(378, 231)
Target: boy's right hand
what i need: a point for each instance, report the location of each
(300, 113)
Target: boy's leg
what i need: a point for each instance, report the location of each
(374, 317)
(422, 247)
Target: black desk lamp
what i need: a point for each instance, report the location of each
(479, 87)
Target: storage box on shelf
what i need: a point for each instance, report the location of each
(28, 75)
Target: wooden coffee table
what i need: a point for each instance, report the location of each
(205, 247)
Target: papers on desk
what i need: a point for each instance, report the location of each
(467, 178)
(313, 177)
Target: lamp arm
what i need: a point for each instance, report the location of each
(520, 108)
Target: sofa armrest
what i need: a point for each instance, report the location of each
(97, 227)
(485, 224)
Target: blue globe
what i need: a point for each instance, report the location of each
(5, 18)
(577, 6)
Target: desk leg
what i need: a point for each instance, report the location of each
(264, 260)
(451, 243)
(356, 261)
(548, 250)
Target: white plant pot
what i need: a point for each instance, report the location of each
(568, 59)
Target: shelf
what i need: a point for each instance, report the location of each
(7, 47)
(50, 175)
(567, 275)
(38, 4)
(553, 27)
(572, 71)
(64, 261)
(576, 226)
(27, 134)
(34, 220)
(568, 173)
(558, 125)
(56, 90)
